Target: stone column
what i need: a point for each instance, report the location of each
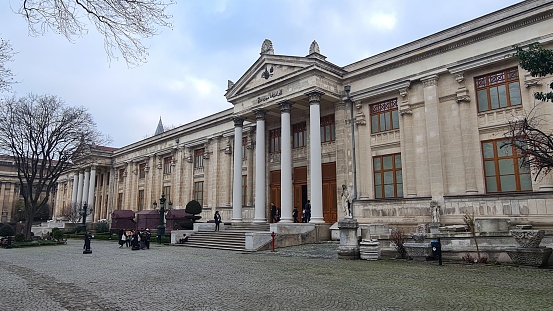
(91, 187)
(286, 183)
(260, 195)
(75, 188)
(316, 182)
(467, 114)
(237, 180)
(86, 185)
(407, 147)
(80, 188)
(433, 142)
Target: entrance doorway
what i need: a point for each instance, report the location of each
(329, 191)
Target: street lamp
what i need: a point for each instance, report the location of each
(347, 90)
(161, 227)
(85, 206)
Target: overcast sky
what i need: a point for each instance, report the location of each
(211, 42)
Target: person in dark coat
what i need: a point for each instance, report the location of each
(295, 214)
(86, 246)
(122, 237)
(217, 218)
(147, 237)
(135, 240)
(274, 212)
(307, 211)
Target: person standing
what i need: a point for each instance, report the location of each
(86, 246)
(122, 238)
(307, 211)
(217, 218)
(147, 236)
(274, 212)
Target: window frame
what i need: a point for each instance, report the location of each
(199, 157)
(167, 165)
(493, 81)
(275, 140)
(384, 111)
(328, 128)
(380, 187)
(199, 192)
(142, 170)
(299, 135)
(167, 192)
(140, 201)
(517, 160)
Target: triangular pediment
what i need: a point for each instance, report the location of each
(267, 70)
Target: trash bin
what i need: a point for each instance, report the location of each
(437, 250)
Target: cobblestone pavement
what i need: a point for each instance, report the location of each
(308, 277)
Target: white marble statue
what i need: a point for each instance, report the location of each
(346, 201)
(435, 210)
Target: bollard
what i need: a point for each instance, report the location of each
(273, 241)
(437, 250)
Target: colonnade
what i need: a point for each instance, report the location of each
(83, 187)
(286, 194)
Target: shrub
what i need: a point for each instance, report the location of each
(6, 230)
(193, 207)
(20, 237)
(57, 234)
(102, 226)
(398, 238)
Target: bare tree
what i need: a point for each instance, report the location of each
(531, 134)
(71, 212)
(43, 135)
(535, 145)
(6, 55)
(123, 23)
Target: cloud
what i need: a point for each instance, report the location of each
(383, 21)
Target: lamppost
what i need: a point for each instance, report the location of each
(161, 227)
(85, 207)
(347, 90)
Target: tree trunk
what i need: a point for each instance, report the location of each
(27, 229)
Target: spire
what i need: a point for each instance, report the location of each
(159, 129)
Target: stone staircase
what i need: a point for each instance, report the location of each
(233, 238)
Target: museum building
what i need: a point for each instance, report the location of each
(418, 127)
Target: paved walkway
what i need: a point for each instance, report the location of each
(306, 277)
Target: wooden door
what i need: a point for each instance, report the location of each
(330, 203)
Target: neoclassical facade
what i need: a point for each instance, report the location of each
(421, 126)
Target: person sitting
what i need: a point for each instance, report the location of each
(183, 239)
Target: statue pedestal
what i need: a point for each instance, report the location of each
(349, 247)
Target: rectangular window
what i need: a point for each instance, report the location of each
(244, 147)
(328, 129)
(244, 188)
(299, 134)
(388, 180)
(121, 174)
(384, 116)
(167, 167)
(167, 192)
(142, 170)
(140, 200)
(120, 200)
(199, 158)
(498, 90)
(199, 192)
(274, 140)
(503, 167)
